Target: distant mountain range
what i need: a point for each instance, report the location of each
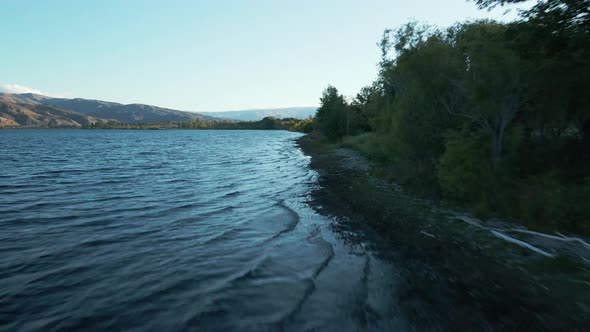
(38, 111)
(259, 114)
(33, 110)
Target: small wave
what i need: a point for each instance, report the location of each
(227, 185)
(66, 171)
(324, 264)
(17, 186)
(295, 220)
(218, 211)
(117, 197)
(225, 236)
(309, 289)
(169, 211)
(253, 272)
(42, 220)
(233, 193)
(59, 272)
(100, 242)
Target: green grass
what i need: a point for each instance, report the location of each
(367, 144)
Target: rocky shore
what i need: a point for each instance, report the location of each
(461, 273)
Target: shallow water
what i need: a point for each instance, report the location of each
(176, 230)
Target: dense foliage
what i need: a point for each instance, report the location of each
(268, 123)
(492, 116)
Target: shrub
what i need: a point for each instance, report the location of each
(368, 144)
(464, 171)
(547, 203)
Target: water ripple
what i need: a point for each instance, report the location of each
(103, 230)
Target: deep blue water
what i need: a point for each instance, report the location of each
(175, 230)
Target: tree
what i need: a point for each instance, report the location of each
(481, 110)
(557, 14)
(367, 106)
(493, 3)
(415, 120)
(492, 83)
(331, 116)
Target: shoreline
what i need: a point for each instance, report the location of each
(489, 282)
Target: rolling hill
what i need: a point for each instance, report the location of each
(126, 113)
(33, 110)
(14, 114)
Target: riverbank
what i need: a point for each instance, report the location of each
(471, 277)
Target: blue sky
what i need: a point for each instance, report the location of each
(205, 55)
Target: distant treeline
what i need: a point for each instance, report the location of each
(493, 116)
(268, 123)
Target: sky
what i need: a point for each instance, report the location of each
(205, 55)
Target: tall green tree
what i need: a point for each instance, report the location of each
(492, 84)
(332, 114)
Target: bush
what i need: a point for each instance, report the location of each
(541, 201)
(303, 126)
(369, 145)
(547, 203)
(464, 171)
